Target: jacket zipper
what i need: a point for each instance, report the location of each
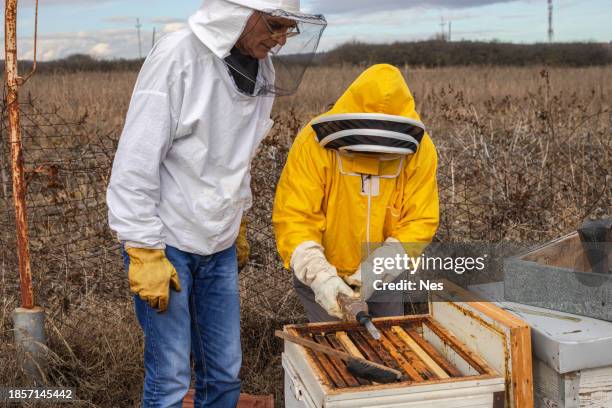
(369, 177)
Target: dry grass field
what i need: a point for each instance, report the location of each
(525, 155)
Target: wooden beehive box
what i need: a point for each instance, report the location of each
(572, 363)
(441, 371)
(502, 339)
(246, 401)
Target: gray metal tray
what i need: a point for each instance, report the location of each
(550, 287)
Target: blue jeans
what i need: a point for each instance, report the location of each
(203, 319)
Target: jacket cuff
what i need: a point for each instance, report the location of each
(391, 240)
(310, 265)
(132, 244)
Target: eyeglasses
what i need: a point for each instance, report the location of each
(279, 30)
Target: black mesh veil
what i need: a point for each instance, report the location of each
(281, 72)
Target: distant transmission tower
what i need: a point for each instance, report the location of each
(442, 29)
(551, 32)
(138, 27)
(153, 39)
(449, 30)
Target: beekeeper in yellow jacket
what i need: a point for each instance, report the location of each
(359, 183)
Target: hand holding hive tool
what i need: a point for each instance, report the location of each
(357, 310)
(358, 367)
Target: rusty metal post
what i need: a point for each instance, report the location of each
(28, 320)
(19, 189)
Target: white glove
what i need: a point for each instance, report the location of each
(389, 249)
(312, 269)
(326, 294)
(354, 279)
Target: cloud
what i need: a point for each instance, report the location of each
(361, 20)
(394, 19)
(131, 20)
(47, 55)
(515, 16)
(118, 43)
(109, 43)
(361, 6)
(167, 20)
(47, 3)
(121, 20)
(101, 50)
(171, 27)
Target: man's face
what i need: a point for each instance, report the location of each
(262, 33)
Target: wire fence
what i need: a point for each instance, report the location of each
(66, 175)
(495, 183)
(523, 168)
(74, 253)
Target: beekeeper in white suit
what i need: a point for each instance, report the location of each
(180, 184)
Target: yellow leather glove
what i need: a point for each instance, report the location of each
(151, 275)
(243, 248)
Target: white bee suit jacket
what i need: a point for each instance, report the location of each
(181, 172)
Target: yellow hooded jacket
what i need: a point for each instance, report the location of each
(344, 200)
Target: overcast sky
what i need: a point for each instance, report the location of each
(106, 28)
